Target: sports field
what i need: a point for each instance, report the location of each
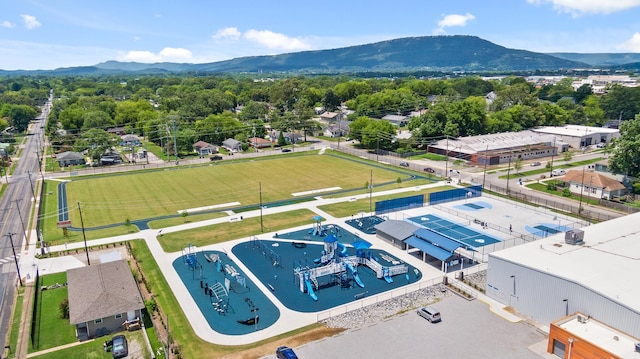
(116, 198)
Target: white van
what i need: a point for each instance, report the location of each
(429, 313)
(558, 173)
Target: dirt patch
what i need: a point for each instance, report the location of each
(293, 341)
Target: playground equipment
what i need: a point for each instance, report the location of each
(317, 229)
(268, 253)
(221, 301)
(337, 264)
(190, 258)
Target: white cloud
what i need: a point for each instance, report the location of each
(7, 24)
(168, 54)
(136, 38)
(30, 22)
(632, 45)
(274, 40)
(175, 54)
(230, 33)
(452, 20)
(579, 7)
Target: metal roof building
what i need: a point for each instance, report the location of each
(550, 278)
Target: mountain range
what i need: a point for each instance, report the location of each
(413, 54)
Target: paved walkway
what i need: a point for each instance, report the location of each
(289, 320)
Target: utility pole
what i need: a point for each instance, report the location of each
(33, 191)
(175, 145)
(15, 258)
(484, 175)
(86, 249)
(508, 172)
(20, 216)
(553, 152)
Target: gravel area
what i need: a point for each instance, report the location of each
(374, 313)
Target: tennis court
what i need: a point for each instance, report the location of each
(457, 231)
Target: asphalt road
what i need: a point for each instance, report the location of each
(14, 217)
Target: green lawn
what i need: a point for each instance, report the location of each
(218, 233)
(49, 217)
(145, 194)
(51, 329)
(94, 349)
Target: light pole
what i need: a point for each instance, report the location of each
(20, 216)
(15, 258)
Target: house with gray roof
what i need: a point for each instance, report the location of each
(232, 145)
(70, 158)
(102, 297)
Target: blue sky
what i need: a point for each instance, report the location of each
(45, 34)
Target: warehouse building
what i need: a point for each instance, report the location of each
(592, 271)
(580, 136)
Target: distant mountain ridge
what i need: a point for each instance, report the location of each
(426, 53)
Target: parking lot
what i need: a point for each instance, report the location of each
(467, 330)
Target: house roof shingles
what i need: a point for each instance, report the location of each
(102, 290)
(593, 180)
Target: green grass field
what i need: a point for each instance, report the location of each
(51, 329)
(114, 199)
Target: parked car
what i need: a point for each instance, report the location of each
(430, 313)
(536, 163)
(558, 173)
(404, 164)
(429, 170)
(601, 145)
(120, 348)
(215, 158)
(285, 352)
(286, 150)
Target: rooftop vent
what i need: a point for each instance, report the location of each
(638, 347)
(574, 237)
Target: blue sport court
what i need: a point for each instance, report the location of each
(459, 232)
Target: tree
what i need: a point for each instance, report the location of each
(625, 157)
(19, 115)
(96, 142)
(517, 164)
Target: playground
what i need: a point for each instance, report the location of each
(313, 276)
(229, 301)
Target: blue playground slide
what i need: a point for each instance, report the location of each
(309, 285)
(343, 249)
(386, 276)
(355, 275)
(312, 294)
(219, 265)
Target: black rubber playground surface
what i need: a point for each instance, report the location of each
(281, 278)
(240, 303)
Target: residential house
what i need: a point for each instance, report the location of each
(397, 120)
(591, 184)
(330, 116)
(119, 131)
(204, 149)
(102, 297)
(130, 140)
(289, 137)
(232, 145)
(257, 142)
(70, 158)
(334, 131)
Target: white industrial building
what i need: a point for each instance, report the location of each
(551, 278)
(580, 136)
